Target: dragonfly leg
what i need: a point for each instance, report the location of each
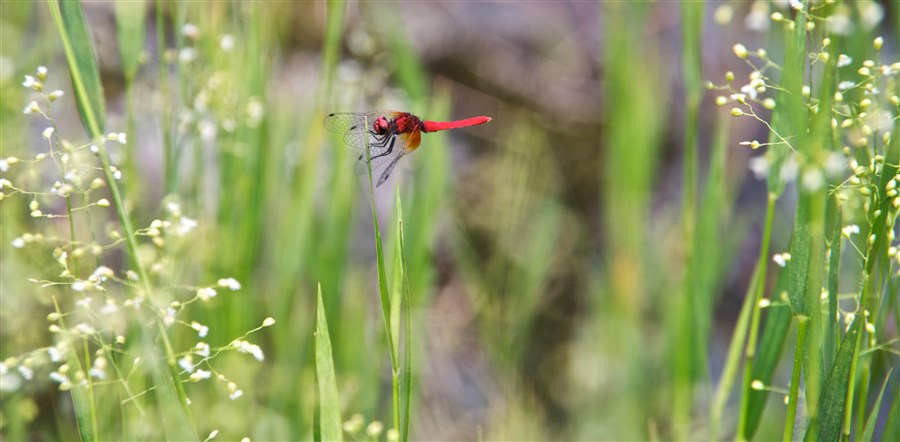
(387, 171)
(390, 147)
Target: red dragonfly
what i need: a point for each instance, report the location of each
(391, 135)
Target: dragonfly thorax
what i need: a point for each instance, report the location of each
(381, 125)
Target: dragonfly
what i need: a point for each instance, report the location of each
(390, 135)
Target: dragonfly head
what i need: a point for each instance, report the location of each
(380, 125)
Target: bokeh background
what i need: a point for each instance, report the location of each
(547, 250)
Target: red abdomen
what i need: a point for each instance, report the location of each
(434, 126)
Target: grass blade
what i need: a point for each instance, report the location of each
(329, 407)
(406, 370)
(383, 291)
(73, 31)
(130, 31)
(771, 347)
(873, 417)
(826, 425)
(834, 264)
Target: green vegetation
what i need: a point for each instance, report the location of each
(186, 252)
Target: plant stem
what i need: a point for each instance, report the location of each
(750, 351)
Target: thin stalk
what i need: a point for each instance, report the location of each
(795, 380)
(72, 233)
(90, 383)
(383, 291)
(851, 386)
(750, 351)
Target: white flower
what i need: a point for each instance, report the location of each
(109, 308)
(187, 363)
(759, 166)
(206, 293)
(235, 394)
(839, 22)
(781, 259)
(59, 377)
(83, 302)
(231, 283)
(226, 42)
(97, 373)
(253, 349)
(169, 317)
(31, 108)
(18, 242)
(103, 273)
(30, 82)
(844, 85)
(201, 329)
(871, 14)
(190, 30)
(202, 349)
(185, 226)
(749, 90)
(187, 55)
(42, 72)
(26, 372)
(174, 209)
(4, 165)
(844, 60)
(850, 230)
(813, 179)
(79, 286)
(84, 328)
(200, 375)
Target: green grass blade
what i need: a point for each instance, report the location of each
(383, 292)
(892, 426)
(329, 405)
(876, 408)
(771, 347)
(834, 267)
(406, 370)
(76, 39)
(130, 31)
(733, 359)
(753, 332)
(826, 425)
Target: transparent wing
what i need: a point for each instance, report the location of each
(356, 128)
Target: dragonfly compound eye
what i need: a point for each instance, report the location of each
(380, 126)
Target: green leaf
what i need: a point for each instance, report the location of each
(76, 40)
(873, 417)
(834, 267)
(771, 346)
(130, 31)
(892, 426)
(329, 406)
(827, 423)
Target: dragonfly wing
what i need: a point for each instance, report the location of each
(356, 128)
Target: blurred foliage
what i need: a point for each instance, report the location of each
(575, 268)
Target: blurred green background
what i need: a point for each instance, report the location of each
(576, 266)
